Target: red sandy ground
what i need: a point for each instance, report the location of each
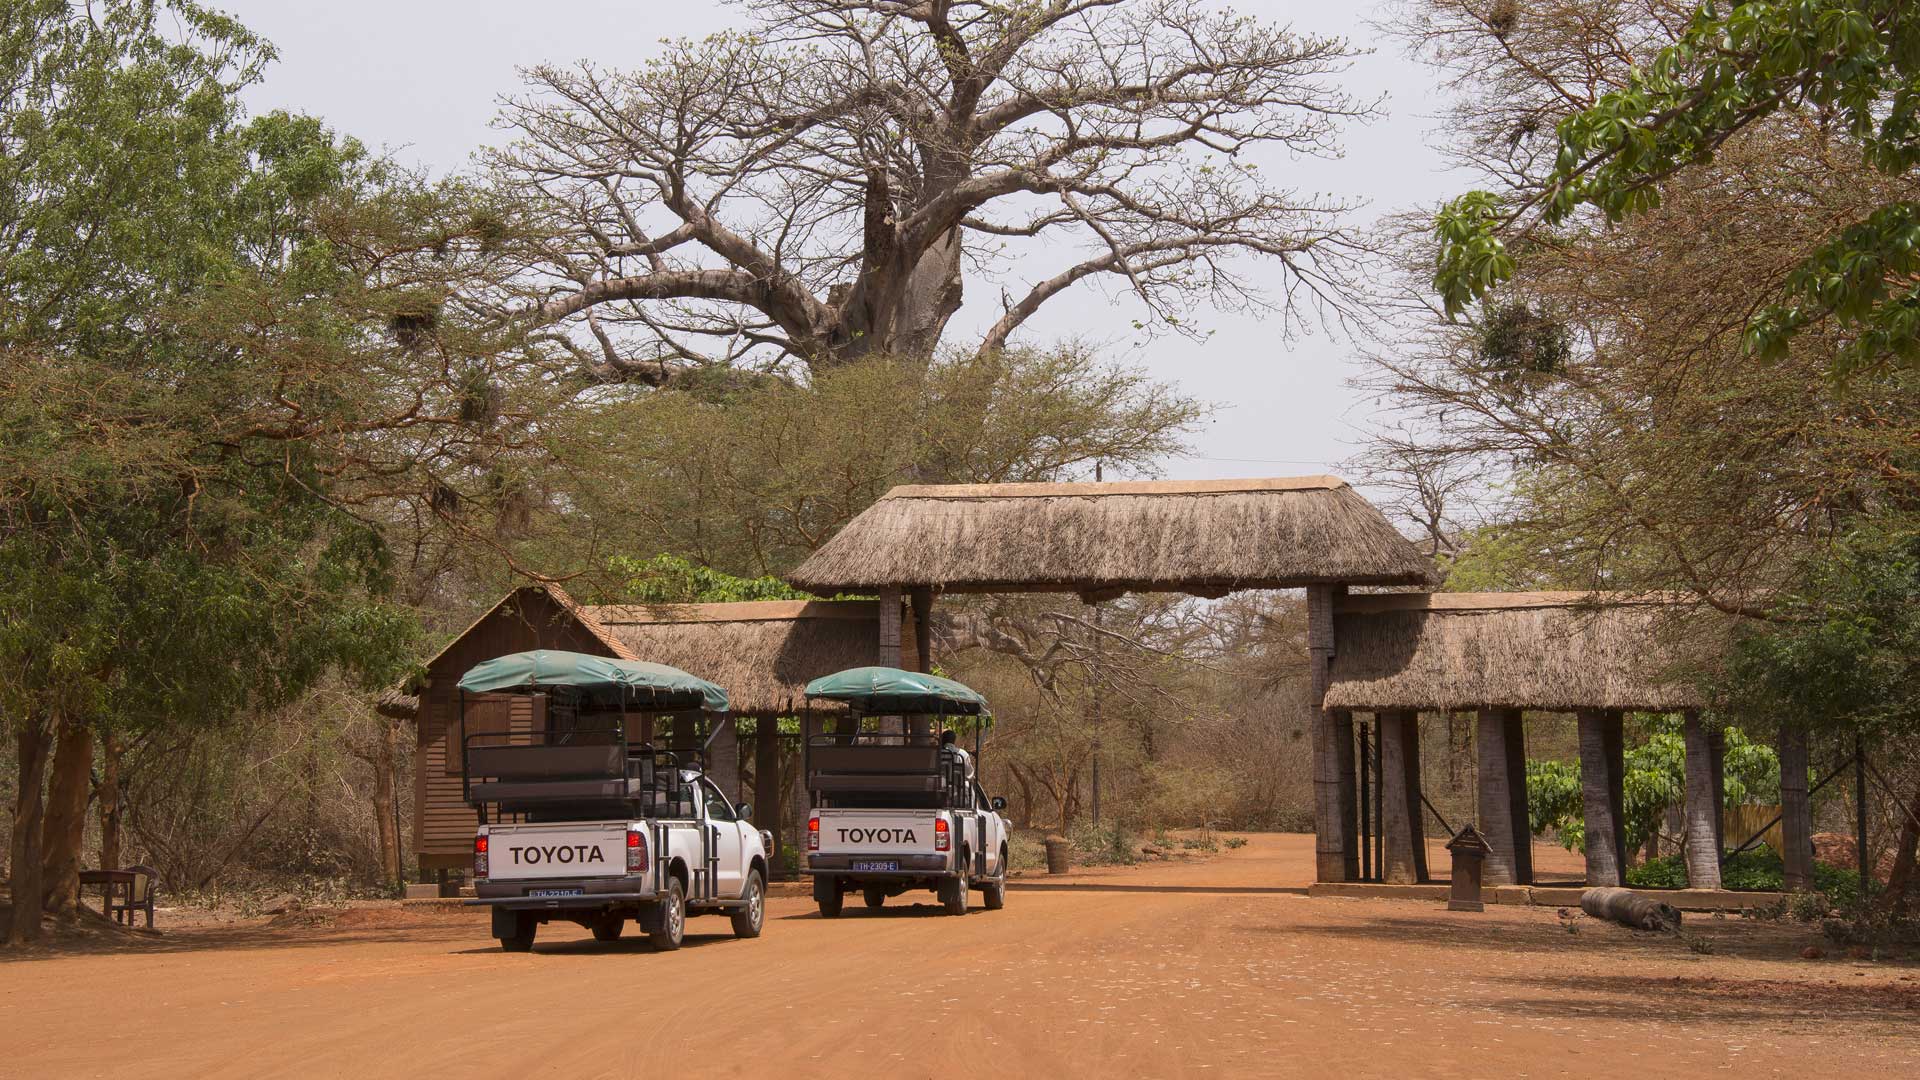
(1181, 969)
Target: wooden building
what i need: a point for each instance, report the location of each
(762, 652)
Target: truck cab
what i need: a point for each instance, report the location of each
(578, 823)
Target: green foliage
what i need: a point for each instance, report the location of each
(182, 357)
(752, 480)
(1750, 871)
(1856, 60)
(671, 579)
(1843, 650)
(1655, 780)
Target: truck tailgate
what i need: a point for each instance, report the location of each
(568, 850)
(872, 832)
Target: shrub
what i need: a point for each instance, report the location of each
(1103, 845)
(1751, 871)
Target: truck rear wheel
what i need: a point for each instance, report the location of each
(747, 919)
(953, 895)
(995, 890)
(874, 895)
(673, 918)
(829, 895)
(520, 937)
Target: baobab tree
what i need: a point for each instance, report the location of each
(819, 187)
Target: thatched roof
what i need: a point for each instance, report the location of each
(1546, 650)
(763, 652)
(397, 704)
(1207, 537)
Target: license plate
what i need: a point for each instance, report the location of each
(891, 864)
(556, 892)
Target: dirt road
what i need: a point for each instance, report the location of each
(1177, 970)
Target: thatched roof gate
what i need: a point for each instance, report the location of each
(1207, 537)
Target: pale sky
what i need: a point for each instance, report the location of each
(421, 78)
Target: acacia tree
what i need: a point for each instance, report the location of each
(1615, 144)
(818, 187)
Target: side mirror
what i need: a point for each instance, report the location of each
(746, 811)
(998, 803)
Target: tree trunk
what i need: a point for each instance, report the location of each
(1701, 832)
(1601, 779)
(1796, 811)
(1894, 900)
(384, 763)
(1501, 753)
(1629, 908)
(112, 814)
(65, 828)
(1405, 843)
(30, 746)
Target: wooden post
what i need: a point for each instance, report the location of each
(1602, 776)
(1500, 747)
(1703, 787)
(921, 598)
(1796, 811)
(766, 781)
(1336, 850)
(723, 757)
(1404, 861)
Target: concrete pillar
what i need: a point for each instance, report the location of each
(1796, 811)
(889, 648)
(889, 651)
(1335, 825)
(1401, 824)
(1602, 777)
(1703, 801)
(1501, 750)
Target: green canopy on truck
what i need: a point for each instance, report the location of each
(886, 690)
(599, 679)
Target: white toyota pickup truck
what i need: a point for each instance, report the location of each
(901, 816)
(579, 823)
(695, 854)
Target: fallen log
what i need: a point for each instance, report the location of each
(1630, 908)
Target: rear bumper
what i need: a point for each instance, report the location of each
(594, 893)
(560, 903)
(911, 866)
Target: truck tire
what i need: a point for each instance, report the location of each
(747, 919)
(521, 937)
(953, 895)
(673, 918)
(995, 890)
(608, 928)
(875, 896)
(829, 895)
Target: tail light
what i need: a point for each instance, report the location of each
(942, 835)
(813, 833)
(636, 852)
(480, 855)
